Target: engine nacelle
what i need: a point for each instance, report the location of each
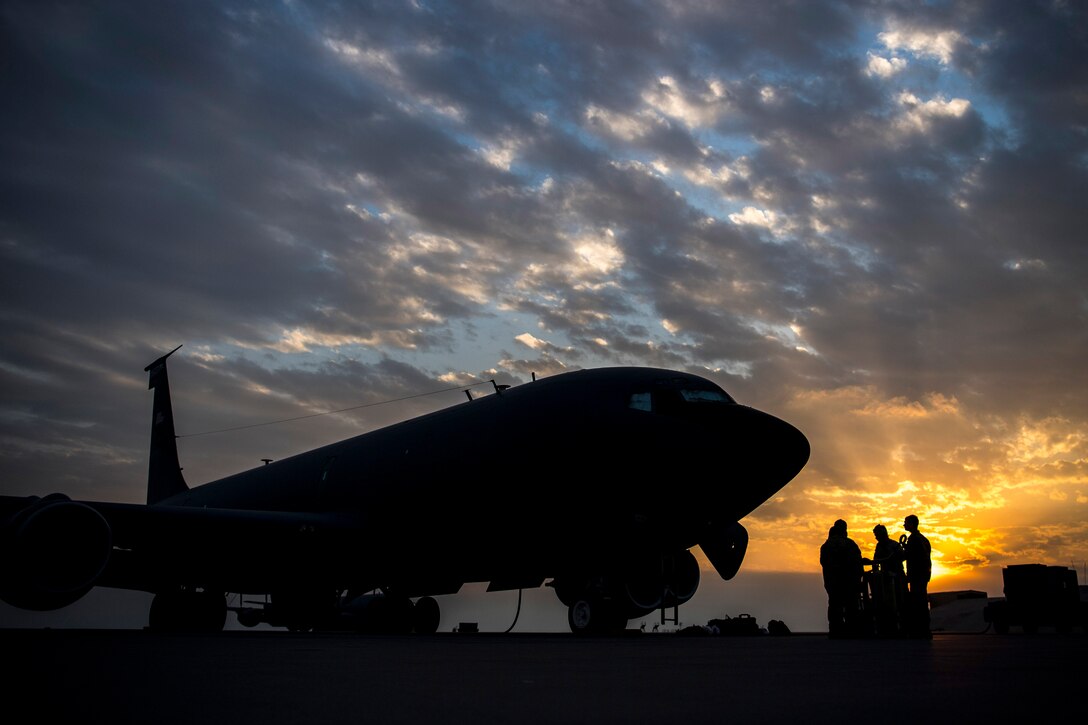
(663, 582)
(725, 545)
(639, 587)
(52, 552)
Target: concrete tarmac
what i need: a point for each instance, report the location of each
(135, 676)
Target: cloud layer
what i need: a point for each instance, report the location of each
(867, 218)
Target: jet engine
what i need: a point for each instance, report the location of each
(52, 552)
(724, 545)
(660, 582)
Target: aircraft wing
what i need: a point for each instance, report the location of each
(57, 546)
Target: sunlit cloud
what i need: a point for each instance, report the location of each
(501, 155)
(300, 340)
(923, 42)
(597, 254)
(884, 67)
(706, 176)
(1023, 265)
(1046, 441)
(766, 218)
(934, 404)
(919, 116)
(695, 109)
(372, 59)
(531, 341)
(623, 126)
(980, 512)
(867, 225)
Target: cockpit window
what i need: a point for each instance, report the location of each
(667, 399)
(705, 396)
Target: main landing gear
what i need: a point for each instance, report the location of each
(589, 615)
(188, 610)
(391, 614)
(372, 613)
(602, 604)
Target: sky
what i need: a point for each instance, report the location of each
(866, 218)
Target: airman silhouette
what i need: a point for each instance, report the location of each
(840, 559)
(887, 583)
(919, 568)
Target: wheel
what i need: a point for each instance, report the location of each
(209, 611)
(387, 615)
(400, 615)
(188, 611)
(589, 615)
(249, 617)
(426, 615)
(580, 617)
(166, 612)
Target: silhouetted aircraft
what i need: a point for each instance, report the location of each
(597, 481)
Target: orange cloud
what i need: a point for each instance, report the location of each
(989, 491)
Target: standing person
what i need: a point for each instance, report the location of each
(887, 582)
(840, 559)
(919, 568)
(887, 554)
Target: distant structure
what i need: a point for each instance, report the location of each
(1037, 595)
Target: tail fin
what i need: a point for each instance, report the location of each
(164, 477)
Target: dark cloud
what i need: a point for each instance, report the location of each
(1035, 61)
(334, 205)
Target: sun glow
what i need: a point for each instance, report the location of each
(988, 491)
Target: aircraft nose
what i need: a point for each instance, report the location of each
(765, 454)
(787, 449)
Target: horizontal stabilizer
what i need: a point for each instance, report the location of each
(507, 584)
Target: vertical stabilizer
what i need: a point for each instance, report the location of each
(164, 477)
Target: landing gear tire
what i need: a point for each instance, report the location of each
(302, 609)
(398, 615)
(388, 615)
(166, 612)
(426, 616)
(188, 611)
(580, 616)
(249, 617)
(591, 616)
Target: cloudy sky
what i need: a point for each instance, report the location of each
(867, 218)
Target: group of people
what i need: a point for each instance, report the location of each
(886, 600)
